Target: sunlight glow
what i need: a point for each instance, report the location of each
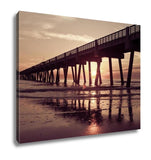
(93, 73)
(93, 128)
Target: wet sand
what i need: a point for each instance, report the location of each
(47, 112)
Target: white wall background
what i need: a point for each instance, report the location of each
(126, 145)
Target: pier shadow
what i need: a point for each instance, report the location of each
(130, 109)
(90, 110)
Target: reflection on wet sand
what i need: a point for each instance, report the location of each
(89, 110)
(51, 113)
(130, 105)
(52, 118)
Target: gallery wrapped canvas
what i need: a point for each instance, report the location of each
(76, 77)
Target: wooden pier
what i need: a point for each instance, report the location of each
(114, 45)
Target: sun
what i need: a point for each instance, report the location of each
(93, 73)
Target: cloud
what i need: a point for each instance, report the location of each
(42, 26)
(49, 35)
(48, 26)
(72, 37)
(30, 34)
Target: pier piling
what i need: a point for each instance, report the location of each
(111, 74)
(90, 80)
(130, 69)
(121, 71)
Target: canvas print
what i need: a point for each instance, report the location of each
(76, 77)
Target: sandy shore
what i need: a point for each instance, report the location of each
(53, 114)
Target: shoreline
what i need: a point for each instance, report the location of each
(80, 88)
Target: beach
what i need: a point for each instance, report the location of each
(47, 112)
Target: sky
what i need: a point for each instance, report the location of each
(43, 36)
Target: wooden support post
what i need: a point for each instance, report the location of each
(76, 60)
(78, 81)
(40, 77)
(37, 76)
(75, 103)
(65, 75)
(84, 74)
(51, 72)
(111, 74)
(96, 78)
(65, 80)
(90, 80)
(57, 76)
(52, 77)
(83, 104)
(42, 74)
(100, 78)
(121, 71)
(73, 73)
(98, 75)
(79, 104)
(130, 69)
(47, 76)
